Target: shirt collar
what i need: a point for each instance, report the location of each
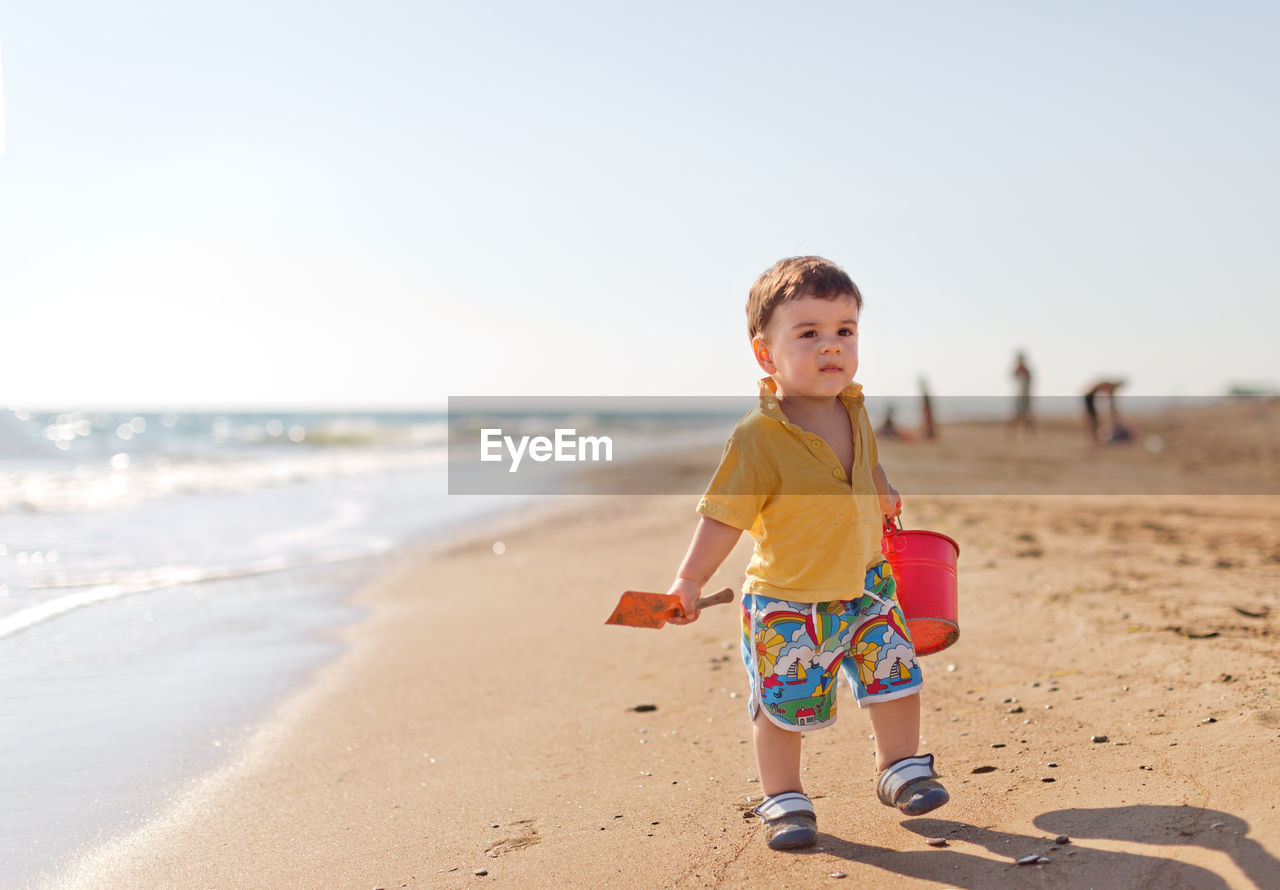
(851, 395)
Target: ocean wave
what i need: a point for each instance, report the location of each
(123, 480)
(99, 587)
(78, 433)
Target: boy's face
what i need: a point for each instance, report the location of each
(810, 346)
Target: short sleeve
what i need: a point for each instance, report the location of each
(737, 490)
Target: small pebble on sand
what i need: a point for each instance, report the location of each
(838, 874)
(1062, 839)
(1098, 738)
(480, 872)
(936, 841)
(1029, 860)
(982, 769)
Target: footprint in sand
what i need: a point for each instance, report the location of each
(526, 836)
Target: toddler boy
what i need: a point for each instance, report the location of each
(801, 474)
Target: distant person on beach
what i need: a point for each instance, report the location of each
(1022, 402)
(926, 412)
(801, 473)
(1115, 431)
(889, 429)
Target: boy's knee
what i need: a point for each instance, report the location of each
(902, 704)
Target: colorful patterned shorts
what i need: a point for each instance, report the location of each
(795, 651)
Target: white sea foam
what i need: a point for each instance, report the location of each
(98, 587)
(124, 480)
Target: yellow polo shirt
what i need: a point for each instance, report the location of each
(816, 532)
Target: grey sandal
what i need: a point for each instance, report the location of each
(789, 820)
(911, 785)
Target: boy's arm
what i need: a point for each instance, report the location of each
(712, 543)
(890, 500)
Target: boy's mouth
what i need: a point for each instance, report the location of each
(827, 368)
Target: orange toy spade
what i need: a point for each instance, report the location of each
(637, 609)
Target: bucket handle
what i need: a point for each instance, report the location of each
(892, 530)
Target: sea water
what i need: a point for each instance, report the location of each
(165, 578)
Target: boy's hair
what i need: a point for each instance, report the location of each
(791, 279)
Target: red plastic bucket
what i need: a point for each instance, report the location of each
(924, 566)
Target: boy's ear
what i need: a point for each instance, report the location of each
(763, 358)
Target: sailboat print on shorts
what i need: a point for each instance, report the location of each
(796, 674)
(899, 674)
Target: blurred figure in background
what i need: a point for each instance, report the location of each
(889, 429)
(1022, 402)
(1115, 431)
(926, 412)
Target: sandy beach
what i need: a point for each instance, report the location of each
(1116, 682)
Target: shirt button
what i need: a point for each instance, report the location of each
(838, 473)
(815, 444)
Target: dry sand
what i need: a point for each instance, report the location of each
(485, 718)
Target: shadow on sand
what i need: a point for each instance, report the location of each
(1171, 826)
(1075, 864)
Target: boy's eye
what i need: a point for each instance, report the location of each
(848, 332)
(809, 334)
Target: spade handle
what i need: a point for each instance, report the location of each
(715, 599)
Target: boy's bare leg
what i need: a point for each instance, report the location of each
(896, 725)
(777, 756)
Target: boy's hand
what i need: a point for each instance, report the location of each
(688, 591)
(890, 501)
(712, 541)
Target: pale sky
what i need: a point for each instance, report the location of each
(382, 204)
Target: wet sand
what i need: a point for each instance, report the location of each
(484, 717)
